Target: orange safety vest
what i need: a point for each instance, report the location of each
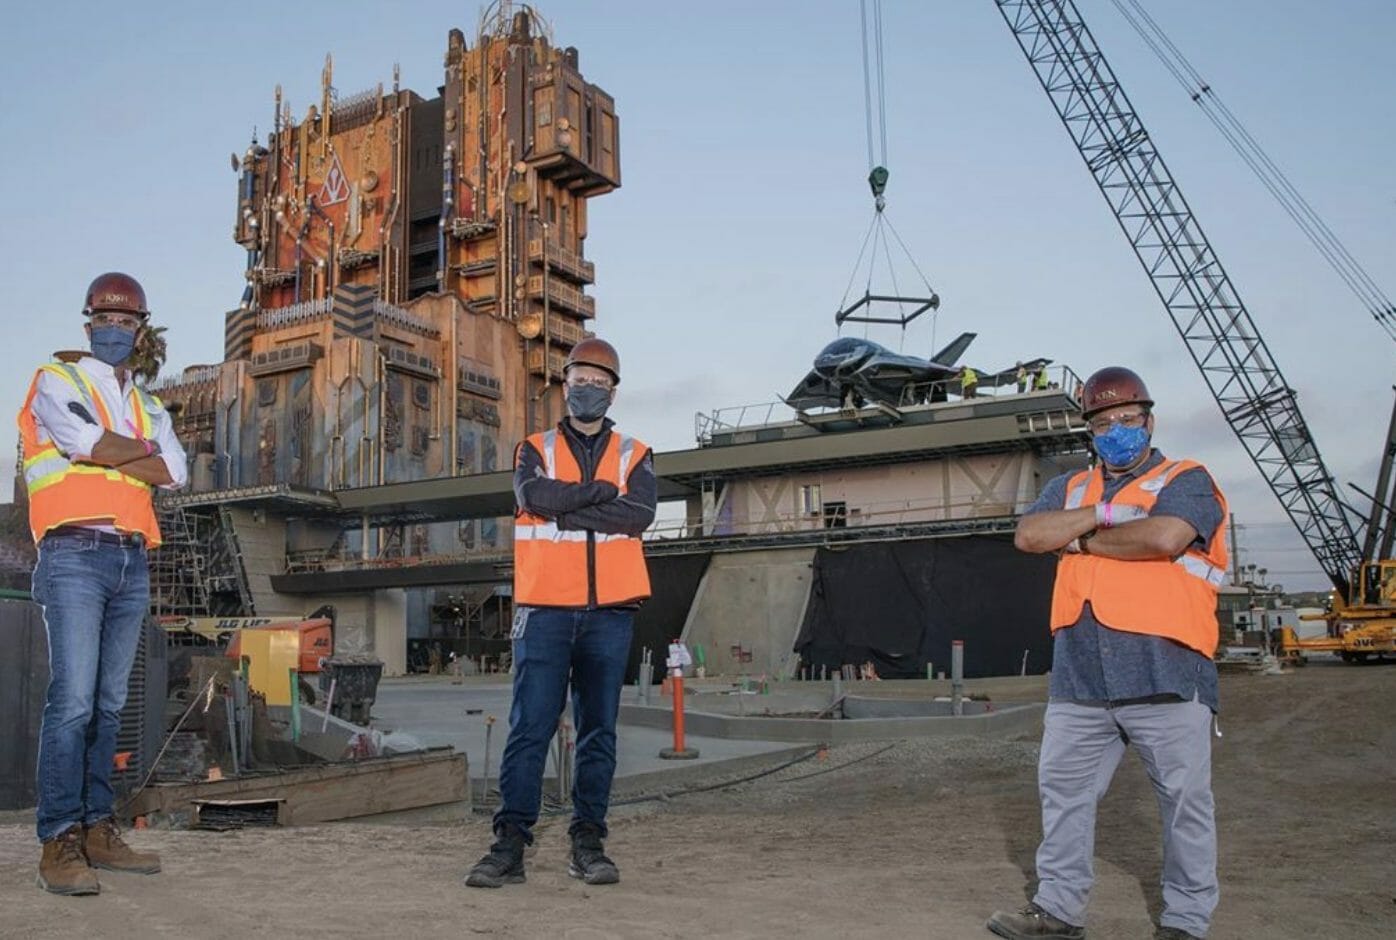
(1176, 598)
(579, 568)
(62, 492)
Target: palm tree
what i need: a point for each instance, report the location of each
(149, 355)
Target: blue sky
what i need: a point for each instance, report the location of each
(722, 258)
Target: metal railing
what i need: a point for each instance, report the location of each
(564, 294)
(943, 392)
(194, 375)
(883, 514)
(738, 417)
(294, 314)
(400, 317)
(562, 258)
(324, 559)
(354, 110)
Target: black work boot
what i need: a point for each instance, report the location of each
(1032, 923)
(504, 865)
(1174, 933)
(589, 861)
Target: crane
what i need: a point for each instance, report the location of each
(1256, 401)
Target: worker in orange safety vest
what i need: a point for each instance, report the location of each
(94, 445)
(585, 492)
(1142, 543)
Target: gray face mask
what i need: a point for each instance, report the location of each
(588, 402)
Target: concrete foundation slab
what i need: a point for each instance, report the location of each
(1008, 719)
(438, 712)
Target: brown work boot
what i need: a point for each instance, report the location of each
(106, 849)
(63, 869)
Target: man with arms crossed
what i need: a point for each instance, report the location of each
(1143, 543)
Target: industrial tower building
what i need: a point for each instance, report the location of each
(415, 276)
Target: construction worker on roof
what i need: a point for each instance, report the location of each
(1022, 378)
(1143, 552)
(94, 444)
(1039, 379)
(969, 382)
(585, 492)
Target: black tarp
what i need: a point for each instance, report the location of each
(674, 582)
(899, 605)
(24, 687)
(23, 682)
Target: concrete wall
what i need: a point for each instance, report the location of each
(370, 623)
(364, 622)
(390, 630)
(262, 540)
(946, 488)
(755, 599)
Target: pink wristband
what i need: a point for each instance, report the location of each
(149, 448)
(1104, 515)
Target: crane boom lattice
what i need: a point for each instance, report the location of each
(1218, 331)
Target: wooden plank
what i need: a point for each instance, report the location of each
(322, 793)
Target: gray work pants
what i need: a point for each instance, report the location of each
(1081, 747)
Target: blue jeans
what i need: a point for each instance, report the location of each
(95, 598)
(553, 646)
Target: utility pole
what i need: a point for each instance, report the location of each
(1235, 556)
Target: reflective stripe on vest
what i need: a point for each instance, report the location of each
(1126, 595)
(63, 492)
(1154, 481)
(549, 532)
(47, 465)
(627, 453)
(555, 567)
(550, 454)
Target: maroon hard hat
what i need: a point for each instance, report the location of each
(115, 292)
(594, 352)
(1111, 386)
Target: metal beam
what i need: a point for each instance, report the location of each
(417, 574)
(499, 570)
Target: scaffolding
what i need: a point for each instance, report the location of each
(197, 571)
(178, 579)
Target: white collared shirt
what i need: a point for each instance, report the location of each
(76, 436)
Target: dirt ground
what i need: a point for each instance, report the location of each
(918, 839)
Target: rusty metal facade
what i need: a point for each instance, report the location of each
(415, 276)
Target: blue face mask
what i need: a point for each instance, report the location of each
(112, 344)
(1121, 446)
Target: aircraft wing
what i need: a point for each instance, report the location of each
(894, 373)
(1009, 376)
(814, 391)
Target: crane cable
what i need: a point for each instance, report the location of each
(881, 113)
(875, 241)
(1348, 269)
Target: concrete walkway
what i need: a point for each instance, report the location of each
(438, 713)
